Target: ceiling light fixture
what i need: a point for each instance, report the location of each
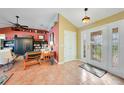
(86, 19)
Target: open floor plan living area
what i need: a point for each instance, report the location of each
(61, 46)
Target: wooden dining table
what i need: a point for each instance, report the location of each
(32, 58)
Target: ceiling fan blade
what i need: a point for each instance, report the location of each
(12, 23)
(17, 25)
(24, 26)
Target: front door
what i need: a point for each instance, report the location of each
(97, 44)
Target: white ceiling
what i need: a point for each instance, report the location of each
(34, 17)
(75, 15)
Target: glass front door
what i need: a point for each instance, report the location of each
(96, 46)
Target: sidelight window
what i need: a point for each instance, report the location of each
(115, 43)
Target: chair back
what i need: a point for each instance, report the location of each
(5, 56)
(45, 55)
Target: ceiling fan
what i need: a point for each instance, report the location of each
(17, 25)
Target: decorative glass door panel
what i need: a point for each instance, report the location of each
(115, 52)
(96, 46)
(115, 47)
(84, 45)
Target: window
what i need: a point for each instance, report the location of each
(115, 42)
(96, 45)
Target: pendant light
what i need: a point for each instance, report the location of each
(86, 19)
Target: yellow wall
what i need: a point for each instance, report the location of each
(64, 24)
(104, 21)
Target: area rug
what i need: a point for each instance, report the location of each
(4, 78)
(94, 70)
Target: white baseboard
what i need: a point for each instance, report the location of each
(62, 62)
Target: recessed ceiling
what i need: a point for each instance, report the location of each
(36, 17)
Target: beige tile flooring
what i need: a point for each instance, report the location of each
(59, 74)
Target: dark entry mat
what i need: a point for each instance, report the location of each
(94, 70)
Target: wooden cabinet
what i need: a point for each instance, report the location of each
(23, 45)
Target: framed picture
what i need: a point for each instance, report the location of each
(41, 37)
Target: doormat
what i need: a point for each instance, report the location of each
(94, 70)
(4, 78)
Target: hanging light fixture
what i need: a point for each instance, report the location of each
(86, 19)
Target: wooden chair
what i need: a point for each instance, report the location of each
(45, 56)
(31, 58)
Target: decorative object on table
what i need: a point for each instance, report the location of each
(31, 58)
(4, 78)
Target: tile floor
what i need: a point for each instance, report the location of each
(59, 74)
